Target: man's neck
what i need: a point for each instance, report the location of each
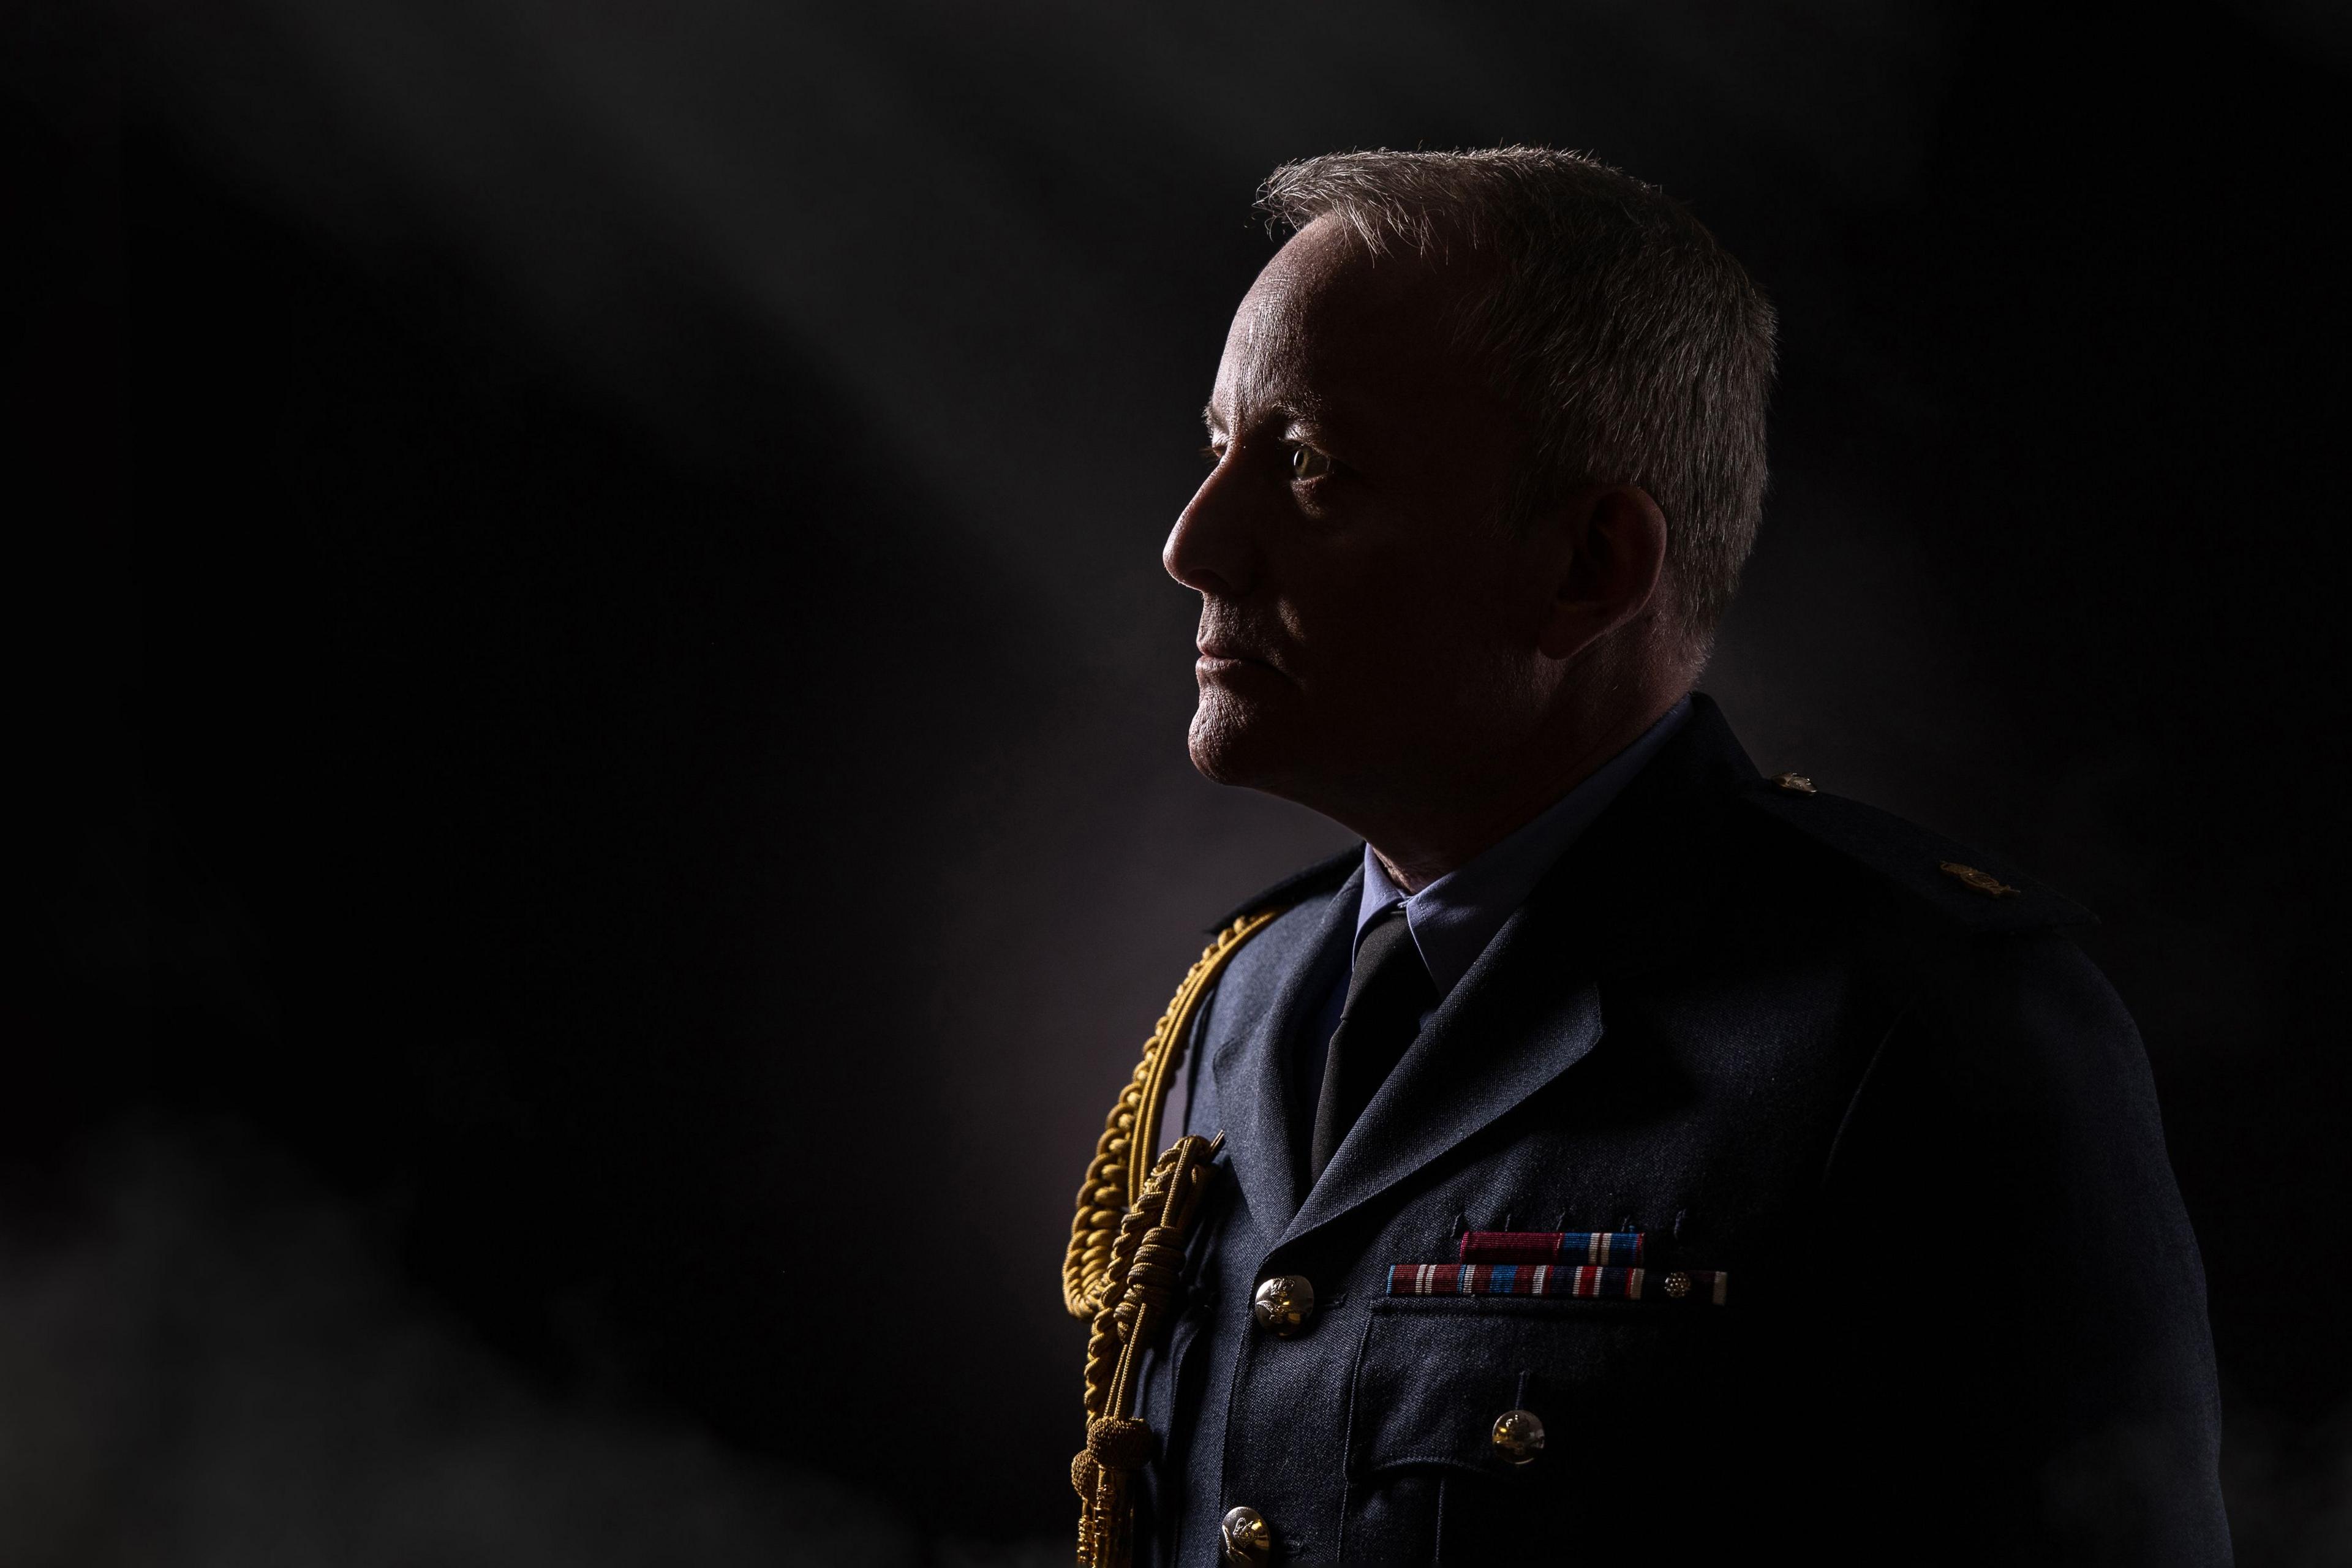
(1419, 842)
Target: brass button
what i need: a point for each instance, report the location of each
(1795, 784)
(1518, 1437)
(1282, 1305)
(1976, 881)
(1248, 1537)
(1677, 1284)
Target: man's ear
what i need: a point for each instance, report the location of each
(1614, 559)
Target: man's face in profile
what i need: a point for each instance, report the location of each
(1368, 620)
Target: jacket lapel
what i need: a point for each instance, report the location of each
(1491, 1044)
(1250, 1060)
(1530, 1008)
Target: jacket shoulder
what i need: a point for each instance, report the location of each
(1971, 888)
(1323, 876)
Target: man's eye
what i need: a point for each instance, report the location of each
(1212, 455)
(1306, 463)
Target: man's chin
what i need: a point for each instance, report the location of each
(1239, 743)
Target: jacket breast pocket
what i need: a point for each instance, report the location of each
(1483, 1425)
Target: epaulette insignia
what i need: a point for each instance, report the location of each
(1976, 881)
(1968, 886)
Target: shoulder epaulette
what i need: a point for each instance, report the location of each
(1323, 876)
(1981, 892)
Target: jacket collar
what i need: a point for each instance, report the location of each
(1531, 1008)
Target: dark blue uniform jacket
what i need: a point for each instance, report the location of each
(1964, 1318)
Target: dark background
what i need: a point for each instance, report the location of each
(607, 806)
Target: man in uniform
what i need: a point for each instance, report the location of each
(1623, 1152)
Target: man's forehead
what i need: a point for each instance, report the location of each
(1329, 329)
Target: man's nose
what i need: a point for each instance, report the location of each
(1210, 549)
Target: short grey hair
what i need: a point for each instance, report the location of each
(1640, 350)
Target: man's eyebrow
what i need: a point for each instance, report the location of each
(1279, 409)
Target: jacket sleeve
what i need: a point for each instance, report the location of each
(2040, 1338)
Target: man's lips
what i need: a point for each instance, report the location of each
(1217, 655)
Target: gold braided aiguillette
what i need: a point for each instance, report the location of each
(1126, 1256)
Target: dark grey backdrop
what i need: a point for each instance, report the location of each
(607, 728)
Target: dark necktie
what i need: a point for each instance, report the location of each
(1387, 991)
